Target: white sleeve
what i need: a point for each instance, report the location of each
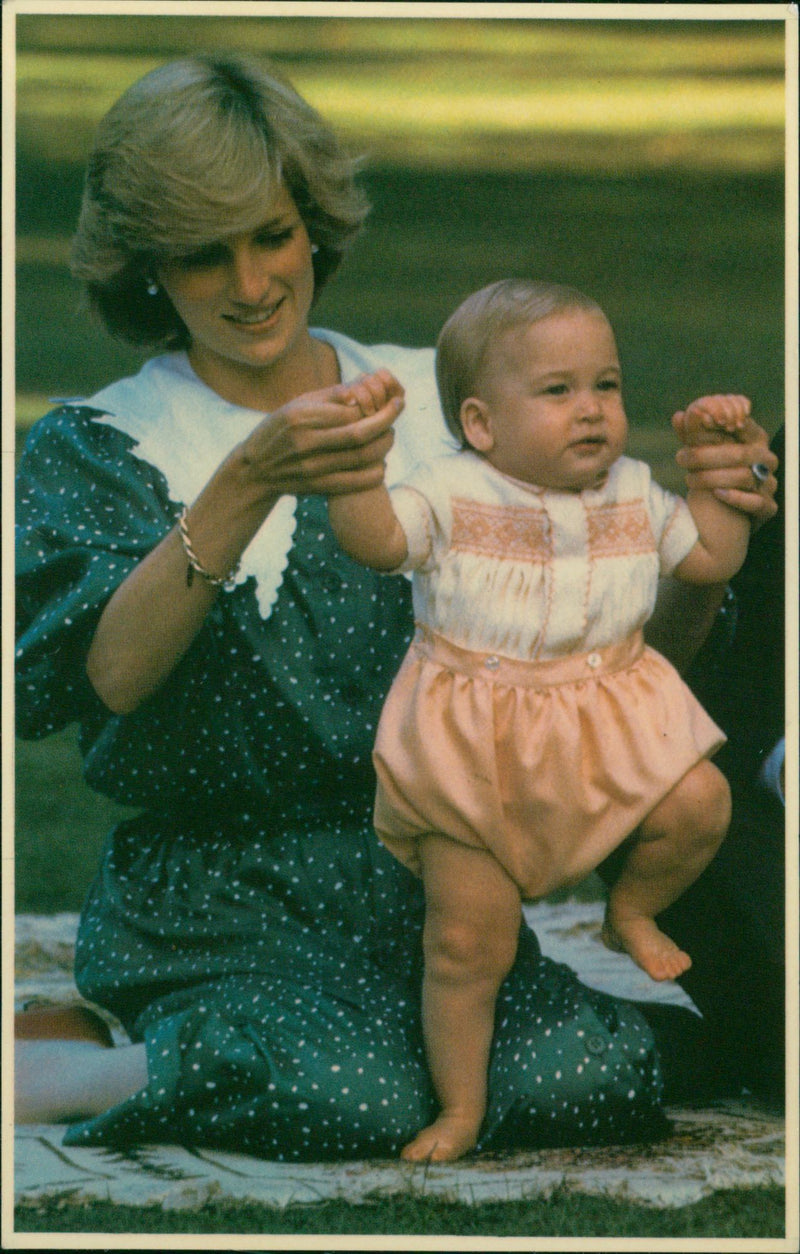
(673, 526)
(415, 516)
(422, 504)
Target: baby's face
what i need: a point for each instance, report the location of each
(549, 409)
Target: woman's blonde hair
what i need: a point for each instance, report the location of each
(469, 333)
(194, 151)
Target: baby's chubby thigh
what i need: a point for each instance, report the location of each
(696, 812)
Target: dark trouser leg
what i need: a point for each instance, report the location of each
(731, 923)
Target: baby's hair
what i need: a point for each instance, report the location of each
(479, 320)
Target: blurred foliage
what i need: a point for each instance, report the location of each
(657, 149)
(489, 94)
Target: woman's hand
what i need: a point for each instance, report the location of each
(726, 469)
(326, 442)
(329, 442)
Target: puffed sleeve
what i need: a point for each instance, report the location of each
(675, 529)
(87, 512)
(416, 518)
(422, 506)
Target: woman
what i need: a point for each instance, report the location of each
(182, 597)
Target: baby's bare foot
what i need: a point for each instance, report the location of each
(713, 420)
(446, 1139)
(649, 947)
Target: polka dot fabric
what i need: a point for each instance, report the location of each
(246, 924)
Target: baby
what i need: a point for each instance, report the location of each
(530, 731)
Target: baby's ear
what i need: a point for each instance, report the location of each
(476, 424)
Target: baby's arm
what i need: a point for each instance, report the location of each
(724, 532)
(364, 523)
(367, 528)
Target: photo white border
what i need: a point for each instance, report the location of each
(788, 14)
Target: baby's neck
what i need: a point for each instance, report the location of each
(523, 482)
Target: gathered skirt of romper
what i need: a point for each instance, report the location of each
(548, 765)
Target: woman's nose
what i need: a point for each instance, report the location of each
(249, 277)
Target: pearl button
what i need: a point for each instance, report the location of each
(492, 662)
(593, 660)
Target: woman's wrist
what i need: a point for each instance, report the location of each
(222, 520)
(195, 566)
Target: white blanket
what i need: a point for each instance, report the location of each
(729, 1146)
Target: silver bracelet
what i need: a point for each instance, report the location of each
(226, 581)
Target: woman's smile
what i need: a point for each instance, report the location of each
(257, 319)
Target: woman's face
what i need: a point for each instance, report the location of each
(245, 299)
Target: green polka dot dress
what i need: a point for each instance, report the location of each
(247, 925)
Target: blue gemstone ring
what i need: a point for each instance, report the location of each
(760, 472)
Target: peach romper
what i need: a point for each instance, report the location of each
(528, 717)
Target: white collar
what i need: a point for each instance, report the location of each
(185, 429)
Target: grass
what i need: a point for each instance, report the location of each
(726, 1214)
(60, 826)
(640, 160)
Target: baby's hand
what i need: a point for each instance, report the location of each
(713, 420)
(371, 392)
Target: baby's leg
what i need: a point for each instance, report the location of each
(713, 420)
(472, 923)
(674, 844)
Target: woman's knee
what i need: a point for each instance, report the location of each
(573, 1083)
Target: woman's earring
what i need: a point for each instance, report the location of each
(152, 288)
(314, 249)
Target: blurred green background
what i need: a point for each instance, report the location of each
(641, 161)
